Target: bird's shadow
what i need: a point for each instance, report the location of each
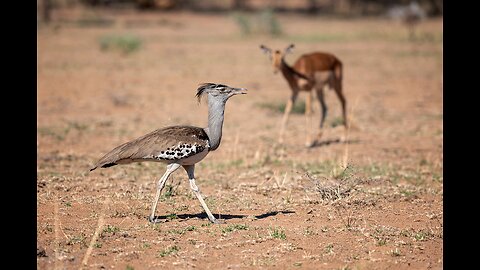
(332, 141)
(203, 215)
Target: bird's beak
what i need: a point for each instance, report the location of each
(237, 91)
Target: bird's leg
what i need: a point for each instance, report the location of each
(191, 177)
(161, 183)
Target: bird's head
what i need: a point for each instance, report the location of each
(218, 91)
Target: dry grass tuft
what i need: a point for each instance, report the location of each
(335, 189)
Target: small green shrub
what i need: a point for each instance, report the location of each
(298, 107)
(264, 23)
(278, 233)
(234, 227)
(126, 43)
(243, 23)
(168, 251)
(269, 23)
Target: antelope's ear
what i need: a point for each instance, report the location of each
(265, 49)
(289, 49)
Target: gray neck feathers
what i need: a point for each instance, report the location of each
(216, 109)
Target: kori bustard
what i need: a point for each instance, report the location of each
(178, 145)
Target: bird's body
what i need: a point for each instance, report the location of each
(186, 145)
(178, 145)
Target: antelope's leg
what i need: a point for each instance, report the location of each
(288, 109)
(161, 183)
(343, 101)
(323, 106)
(308, 119)
(338, 90)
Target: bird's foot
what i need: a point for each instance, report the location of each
(218, 221)
(152, 219)
(310, 144)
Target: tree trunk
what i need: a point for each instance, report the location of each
(239, 4)
(437, 7)
(46, 10)
(312, 6)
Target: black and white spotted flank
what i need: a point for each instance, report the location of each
(181, 151)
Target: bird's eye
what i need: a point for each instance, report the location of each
(221, 87)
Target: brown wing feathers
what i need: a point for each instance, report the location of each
(171, 143)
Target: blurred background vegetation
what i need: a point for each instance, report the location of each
(338, 8)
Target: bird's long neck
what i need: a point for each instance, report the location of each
(216, 110)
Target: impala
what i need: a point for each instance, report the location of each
(310, 71)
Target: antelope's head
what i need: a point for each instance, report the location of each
(276, 56)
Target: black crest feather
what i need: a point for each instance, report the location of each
(201, 89)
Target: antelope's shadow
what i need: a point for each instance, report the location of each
(203, 215)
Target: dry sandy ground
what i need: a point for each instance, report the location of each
(285, 206)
